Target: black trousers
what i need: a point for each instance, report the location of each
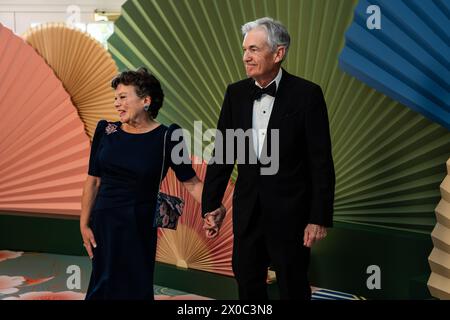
(258, 248)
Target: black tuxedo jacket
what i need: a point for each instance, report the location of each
(302, 191)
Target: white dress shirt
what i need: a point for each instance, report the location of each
(262, 110)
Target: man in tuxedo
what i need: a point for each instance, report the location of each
(277, 216)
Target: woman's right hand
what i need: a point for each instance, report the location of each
(88, 240)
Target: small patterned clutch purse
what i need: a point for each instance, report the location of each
(168, 208)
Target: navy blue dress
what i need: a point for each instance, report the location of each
(122, 215)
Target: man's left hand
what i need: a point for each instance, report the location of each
(313, 233)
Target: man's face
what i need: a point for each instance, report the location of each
(259, 60)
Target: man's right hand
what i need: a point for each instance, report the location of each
(213, 221)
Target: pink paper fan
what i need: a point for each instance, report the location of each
(44, 149)
(188, 246)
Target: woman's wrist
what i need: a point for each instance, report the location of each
(84, 224)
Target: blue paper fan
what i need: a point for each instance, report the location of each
(408, 59)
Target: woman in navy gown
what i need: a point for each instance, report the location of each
(119, 196)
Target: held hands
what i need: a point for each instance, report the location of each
(212, 222)
(88, 240)
(313, 233)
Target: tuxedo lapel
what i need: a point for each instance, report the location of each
(279, 105)
(247, 105)
(246, 113)
(278, 111)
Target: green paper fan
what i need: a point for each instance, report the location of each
(389, 160)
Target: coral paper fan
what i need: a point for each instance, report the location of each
(188, 246)
(44, 150)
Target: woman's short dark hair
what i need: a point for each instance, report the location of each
(145, 84)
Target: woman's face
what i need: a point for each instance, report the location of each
(128, 104)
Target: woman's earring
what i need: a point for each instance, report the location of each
(146, 107)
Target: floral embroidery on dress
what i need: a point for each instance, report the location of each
(111, 128)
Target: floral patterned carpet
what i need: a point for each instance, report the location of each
(41, 276)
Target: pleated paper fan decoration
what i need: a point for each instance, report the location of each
(439, 259)
(408, 59)
(188, 247)
(83, 65)
(44, 150)
(389, 159)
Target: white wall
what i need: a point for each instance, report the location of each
(18, 15)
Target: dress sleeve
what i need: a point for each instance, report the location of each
(178, 155)
(94, 166)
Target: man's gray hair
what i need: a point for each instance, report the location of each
(277, 34)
